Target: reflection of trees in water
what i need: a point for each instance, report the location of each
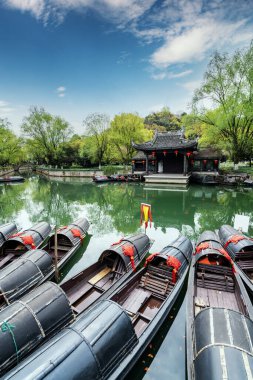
(12, 200)
(48, 203)
(107, 207)
(117, 206)
(214, 207)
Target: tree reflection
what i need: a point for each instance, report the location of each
(12, 200)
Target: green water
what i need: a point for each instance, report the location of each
(114, 211)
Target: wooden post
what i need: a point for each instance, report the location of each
(56, 255)
(147, 163)
(185, 164)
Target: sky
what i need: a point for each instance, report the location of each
(76, 57)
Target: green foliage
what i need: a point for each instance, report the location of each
(96, 125)
(126, 128)
(163, 120)
(47, 135)
(227, 90)
(11, 147)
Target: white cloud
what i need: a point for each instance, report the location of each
(5, 108)
(36, 7)
(193, 44)
(61, 91)
(192, 85)
(170, 75)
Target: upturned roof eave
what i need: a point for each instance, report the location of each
(144, 147)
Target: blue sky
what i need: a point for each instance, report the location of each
(74, 57)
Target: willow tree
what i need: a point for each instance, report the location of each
(11, 146)
(47, 134)
(96, 125)
(224, 102)
(126, 128)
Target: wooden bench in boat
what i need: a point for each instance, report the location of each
(157, 281)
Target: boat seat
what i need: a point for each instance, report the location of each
(156, 284)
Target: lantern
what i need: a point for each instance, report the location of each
(143, 161)
(164, 152)
(153, 154)
(176, 152)
(216, 162)
(133, 162)
(188, 154)
(204, 162)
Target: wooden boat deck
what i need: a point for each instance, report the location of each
(144, 298)
(216, 287)
(215, 298)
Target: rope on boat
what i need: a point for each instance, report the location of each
(6, 326)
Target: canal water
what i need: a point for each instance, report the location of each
(113, 210)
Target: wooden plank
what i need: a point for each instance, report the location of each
(99, 275)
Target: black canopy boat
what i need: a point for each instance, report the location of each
(23, 241)
(107, 339)
(38, 265)
(99, 280)
(219, 328)
(29, 321)
(113, 267)
(6, 230)
(240, 249)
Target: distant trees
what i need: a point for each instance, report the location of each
(11, 147)
(126, 128)
(47, 135)
(96, 125)
(224, 102)
(163, 120)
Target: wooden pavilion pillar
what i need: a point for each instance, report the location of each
(185, 164)
(146, 162)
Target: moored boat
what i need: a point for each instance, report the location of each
(102, 178)
(108, 338)
(240, 249)
(114, 266)
(38, 265)
(23, 241)
(6, 230)
(29, 321)
(11, 179)
(219, 325)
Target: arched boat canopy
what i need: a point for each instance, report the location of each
(6, 230)
(223, 345)
(43, 311)
(138, 245)
(234, 241)
(72, 234)
(209, 244)
(23, 274)
(27, 239)
(90, 348)
(181, 249)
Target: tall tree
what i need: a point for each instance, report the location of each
(126, 128)
(228, 90)
(163, 120)
(11, 147)
(96, 125)
(47, 134)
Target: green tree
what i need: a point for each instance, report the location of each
(47, 135)
(96, 125)
(227, 90)
(163, 120)
(126, 128)
(11, 147)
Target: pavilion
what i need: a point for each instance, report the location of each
(170, 158)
